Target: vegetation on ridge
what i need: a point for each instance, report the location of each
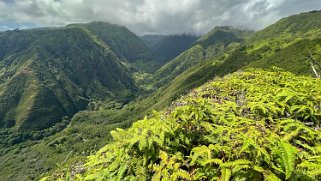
(252, 125)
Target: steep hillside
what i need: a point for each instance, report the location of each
(299, 24)
(165, 48)
(125, 44)
(213, 45)
(253, 125)
(292, 43)
(47, 74)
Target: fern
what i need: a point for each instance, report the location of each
(287, 155)
(252, 125)
(226, 174)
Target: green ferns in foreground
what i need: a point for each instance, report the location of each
(253, 125)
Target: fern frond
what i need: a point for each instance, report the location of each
(226, 174)
(287, 154)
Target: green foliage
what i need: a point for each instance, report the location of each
(252, 125)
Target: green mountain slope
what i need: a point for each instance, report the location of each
(290, 43)
(215, 44)
(165, 48)
(253, 125)
(299, 24)
(53, 74)
(125, 44)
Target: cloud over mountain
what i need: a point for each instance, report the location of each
(152, 16)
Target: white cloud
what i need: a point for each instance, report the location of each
(153, 16)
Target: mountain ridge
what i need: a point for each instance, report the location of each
(54, 50)
(213, 44)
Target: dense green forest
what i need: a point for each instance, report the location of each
(102, 78)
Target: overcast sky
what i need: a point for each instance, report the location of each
(152, 16)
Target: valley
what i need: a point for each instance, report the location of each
(64, 90)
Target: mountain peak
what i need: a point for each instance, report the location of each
(223, 28)
(224, 34)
